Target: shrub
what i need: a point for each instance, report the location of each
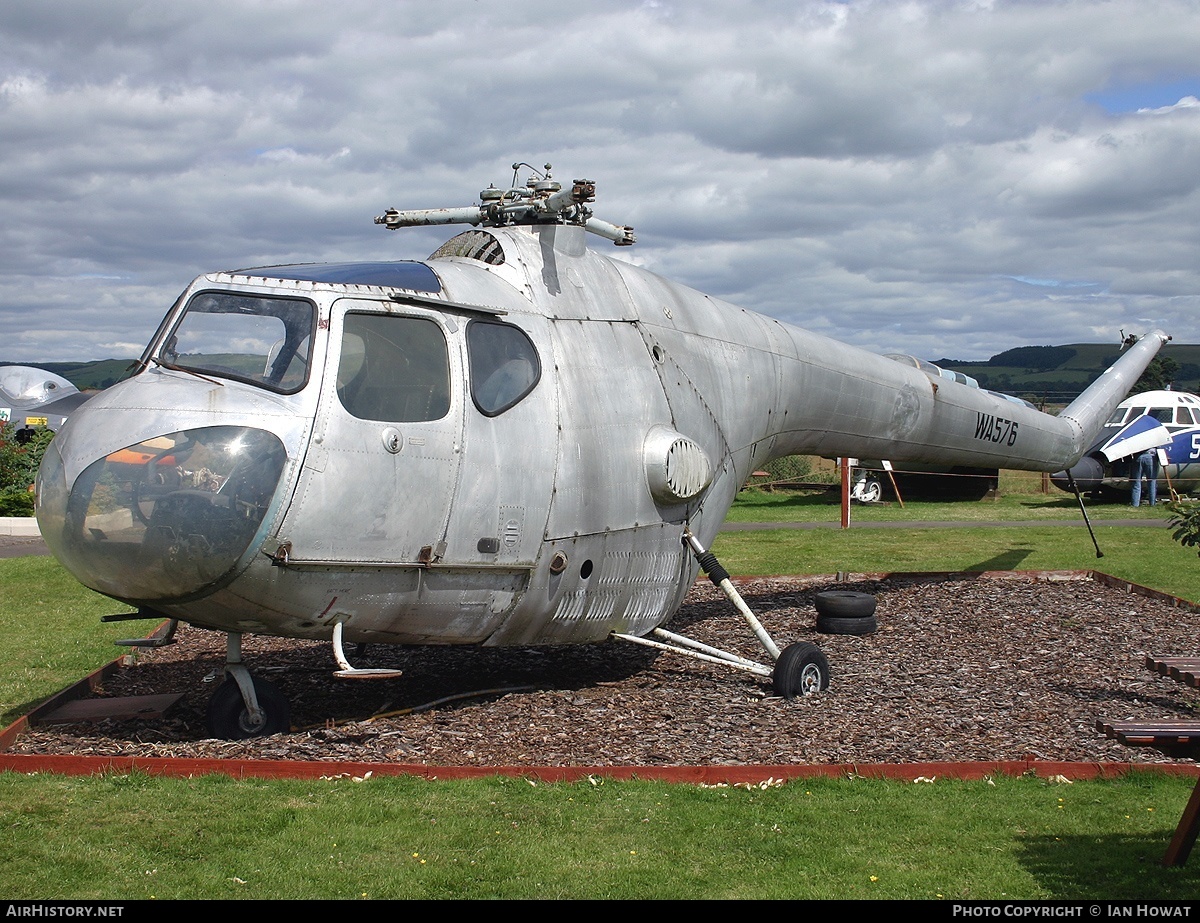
(1185, 522)
(19, 461)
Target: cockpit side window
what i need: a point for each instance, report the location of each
(504, 365)
(253, 338)
(1184, 415)
(394, 368)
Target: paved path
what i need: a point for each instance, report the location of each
(16, 546)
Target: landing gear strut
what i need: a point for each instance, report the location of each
(800, 668)
(245, 706)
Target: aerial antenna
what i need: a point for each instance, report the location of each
(541, 200)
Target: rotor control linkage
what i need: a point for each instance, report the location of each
(541, 200)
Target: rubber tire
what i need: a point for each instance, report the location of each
(872, 492)
(844, 604)
(829, 625)
(802, 669)
(227, 714)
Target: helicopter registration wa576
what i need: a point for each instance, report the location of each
(517, 441)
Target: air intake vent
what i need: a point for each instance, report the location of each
(473, 245)
(676, 467)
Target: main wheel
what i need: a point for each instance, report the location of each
(229, 719)
(800, 670)
(844, 604)
(871, 491)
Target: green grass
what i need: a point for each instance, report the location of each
(132, 837)
(1145, 556)
(53, 635)
(1020, 498)
(126, 837)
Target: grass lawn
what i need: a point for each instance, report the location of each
(124, 837)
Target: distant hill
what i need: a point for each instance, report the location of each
(86, 376)
(1050, 374)
(1057, 374)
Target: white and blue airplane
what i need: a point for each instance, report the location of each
(31, 397)
(1168, 421)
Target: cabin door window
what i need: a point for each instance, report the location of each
(379, 475)
(393, 369)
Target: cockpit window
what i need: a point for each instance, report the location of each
(1162, 414)
(393, 368)
(261, 340)
(504, 365)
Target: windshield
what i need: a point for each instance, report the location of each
(253, 338)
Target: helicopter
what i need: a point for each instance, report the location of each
(516, 441)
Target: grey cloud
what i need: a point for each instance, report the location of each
(885, 173)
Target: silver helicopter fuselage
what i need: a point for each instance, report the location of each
(322, 444)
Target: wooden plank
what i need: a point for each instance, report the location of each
(1180, 739)
(138, 706)
(1166, 726)
(1176, 738)
(1184, 670)
(1165, 663)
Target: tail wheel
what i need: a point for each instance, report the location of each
(229, 719)
(801, 670)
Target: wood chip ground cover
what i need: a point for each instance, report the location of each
(962, 668)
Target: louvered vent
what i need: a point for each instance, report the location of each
(473, 245)
(676, 467)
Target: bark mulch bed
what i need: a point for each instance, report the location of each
(960, 668)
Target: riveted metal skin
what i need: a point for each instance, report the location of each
(352, 478)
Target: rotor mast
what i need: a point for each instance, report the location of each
(542, 200)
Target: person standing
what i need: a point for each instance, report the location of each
(1145, 465)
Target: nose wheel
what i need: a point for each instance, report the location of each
(245, 706)
(230, 717)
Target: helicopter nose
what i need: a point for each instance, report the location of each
(1088, 474)
(164, 518)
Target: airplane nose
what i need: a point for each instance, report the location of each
(164, 518)
(1088, 474)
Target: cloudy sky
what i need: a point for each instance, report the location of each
(947, 179)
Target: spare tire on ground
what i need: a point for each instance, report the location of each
(844, 604)
(829, 625)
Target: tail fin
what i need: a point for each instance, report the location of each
(1091, 410)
